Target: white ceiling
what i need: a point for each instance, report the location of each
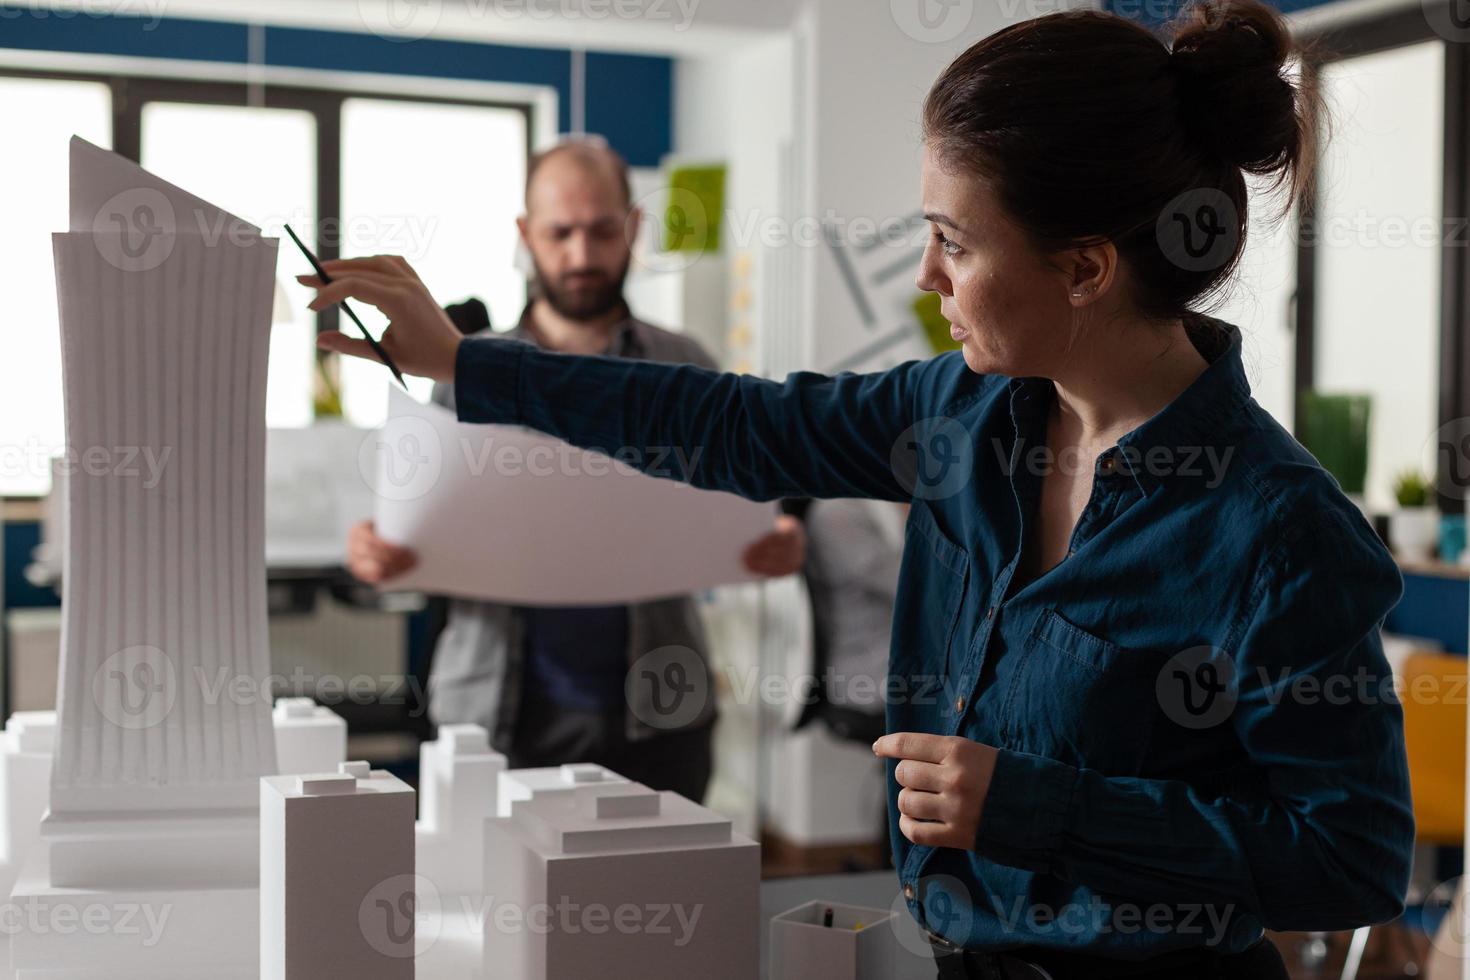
(668, 27)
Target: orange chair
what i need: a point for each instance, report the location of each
(1433, 689)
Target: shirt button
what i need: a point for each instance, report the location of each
(1108, 465)
(908, 892)
(959, 705)
(990, 613)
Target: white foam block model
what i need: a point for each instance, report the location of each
(309, 737)
(163, 719)
(458, 778)
(525, 784)
(25, 781)
(336, 876)
(618, 881)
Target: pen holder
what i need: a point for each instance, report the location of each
(859, 945)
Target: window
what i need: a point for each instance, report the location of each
(1378, 257)
(259, 165)
(440, 185)
(39, 117)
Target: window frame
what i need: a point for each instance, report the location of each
(1371, 35)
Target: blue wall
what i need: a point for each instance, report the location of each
(629, 97)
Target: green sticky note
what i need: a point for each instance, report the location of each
(933, 323)
(696, 206)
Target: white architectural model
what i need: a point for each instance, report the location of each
(172, 843)
(309, 737)
(163, 717)
(619, 882)
(336, 876)
(457, 783)
(26, 747)
(525, 784)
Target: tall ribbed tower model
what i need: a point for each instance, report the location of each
(164, 723)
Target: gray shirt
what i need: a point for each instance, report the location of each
(479, 661)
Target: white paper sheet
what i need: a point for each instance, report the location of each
(506, 514)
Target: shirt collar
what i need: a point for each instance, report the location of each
(626, 341)
(1192, 421)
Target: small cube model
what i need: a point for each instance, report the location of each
(458, 777)
(337, 885)
(26, 747)
(524, 784)
(309, 737)
(619, 882)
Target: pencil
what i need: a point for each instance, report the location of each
(322, 275)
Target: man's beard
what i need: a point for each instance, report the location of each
(586, 302)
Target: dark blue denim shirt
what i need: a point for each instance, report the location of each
(1198, 735)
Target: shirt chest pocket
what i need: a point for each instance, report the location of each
(935, 572)
(1083, 700)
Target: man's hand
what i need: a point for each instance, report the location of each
(945, 780)
(782, 552)
(373, 560)
(420, 338)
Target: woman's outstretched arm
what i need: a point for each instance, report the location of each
(811, 436)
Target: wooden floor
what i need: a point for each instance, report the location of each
(1392, 953)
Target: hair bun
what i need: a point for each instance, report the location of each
(1229, 59)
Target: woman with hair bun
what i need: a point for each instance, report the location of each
(1138, 708)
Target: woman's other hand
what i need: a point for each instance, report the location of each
(945, 780)
(373, 560)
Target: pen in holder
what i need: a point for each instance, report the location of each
(857, 945)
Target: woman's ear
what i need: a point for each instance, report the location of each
(1091, 272)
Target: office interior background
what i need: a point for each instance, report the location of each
(406, 128)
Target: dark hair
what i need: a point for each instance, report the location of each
(1092, 129)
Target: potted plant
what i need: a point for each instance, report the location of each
(1413, 529)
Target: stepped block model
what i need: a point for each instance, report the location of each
(618, 881)
(309, 737)
(458, 780)
(525, 784)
